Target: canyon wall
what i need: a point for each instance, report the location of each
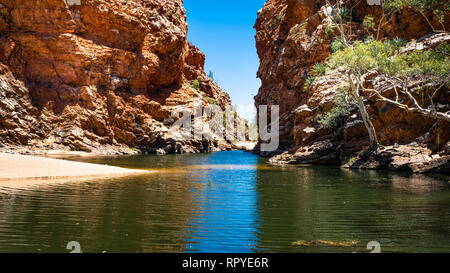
(291, 38)
(97, 74)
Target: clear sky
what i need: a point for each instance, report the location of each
(223, 30)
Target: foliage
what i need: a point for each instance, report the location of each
(369, 22)
(337, 44)
(415, 4)
(309, 81)
(397, 42)
(369, 39)
(351, 160)
(318, 69)
(196, 84)
(281, 16)
(212, 101)
(363, 56)
(432, 65)
(345, 15)
(338, 114)
(439, 7)
(329, 31)
(396, 64)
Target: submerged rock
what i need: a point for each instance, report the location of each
(349, 243)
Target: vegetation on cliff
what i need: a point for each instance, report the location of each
(431, 67)
(348, 76)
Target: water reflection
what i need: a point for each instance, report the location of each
(226, 206)
(228, 202)
(108, 216)
(335, 205)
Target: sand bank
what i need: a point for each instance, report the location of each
(22, 167)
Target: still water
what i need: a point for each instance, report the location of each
(227, 202)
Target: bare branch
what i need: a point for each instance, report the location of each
(416, 109)
(338, 24)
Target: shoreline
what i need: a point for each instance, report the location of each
(106, 150)
(16, 167)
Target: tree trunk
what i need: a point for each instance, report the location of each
(363, 111)
(370, 128)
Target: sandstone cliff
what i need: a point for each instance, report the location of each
(291, 38)
(95, 74)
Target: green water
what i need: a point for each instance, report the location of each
(227, 202)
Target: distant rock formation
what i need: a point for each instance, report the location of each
(97, 74)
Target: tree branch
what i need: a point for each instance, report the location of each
(416, 109)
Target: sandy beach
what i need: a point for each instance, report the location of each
(22, 167)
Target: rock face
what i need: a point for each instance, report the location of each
(291, 38)
(86, 74)
(410, 158)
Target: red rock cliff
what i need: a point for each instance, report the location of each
(291, 38)
(92, 73)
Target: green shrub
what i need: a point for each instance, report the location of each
(398, 5)
(396, 43)
(329, 31)
(440, 8)
(369, 39)
(362, 57)
(369, 22)
(196, 84)
(427, 65)
(338, 115)
(309, 81)
(345, 15)
(212, 101)
(281, 16)
(318, 70)
(337, 45)
(430, 66)
(351, 160)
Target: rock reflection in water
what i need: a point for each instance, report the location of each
(417, 183)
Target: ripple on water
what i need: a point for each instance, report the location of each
(227, 202)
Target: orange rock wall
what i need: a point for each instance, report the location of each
(87, 73)
(291, 38)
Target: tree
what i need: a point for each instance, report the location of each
(354, 76)
(438, 7)
(426, 71)
(211, 75)
(429, 67)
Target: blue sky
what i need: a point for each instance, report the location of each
(223, 30)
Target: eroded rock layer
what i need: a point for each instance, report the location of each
(291, 38)
(86, 74)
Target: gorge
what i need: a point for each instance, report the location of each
(91, 161)
(105, 76)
